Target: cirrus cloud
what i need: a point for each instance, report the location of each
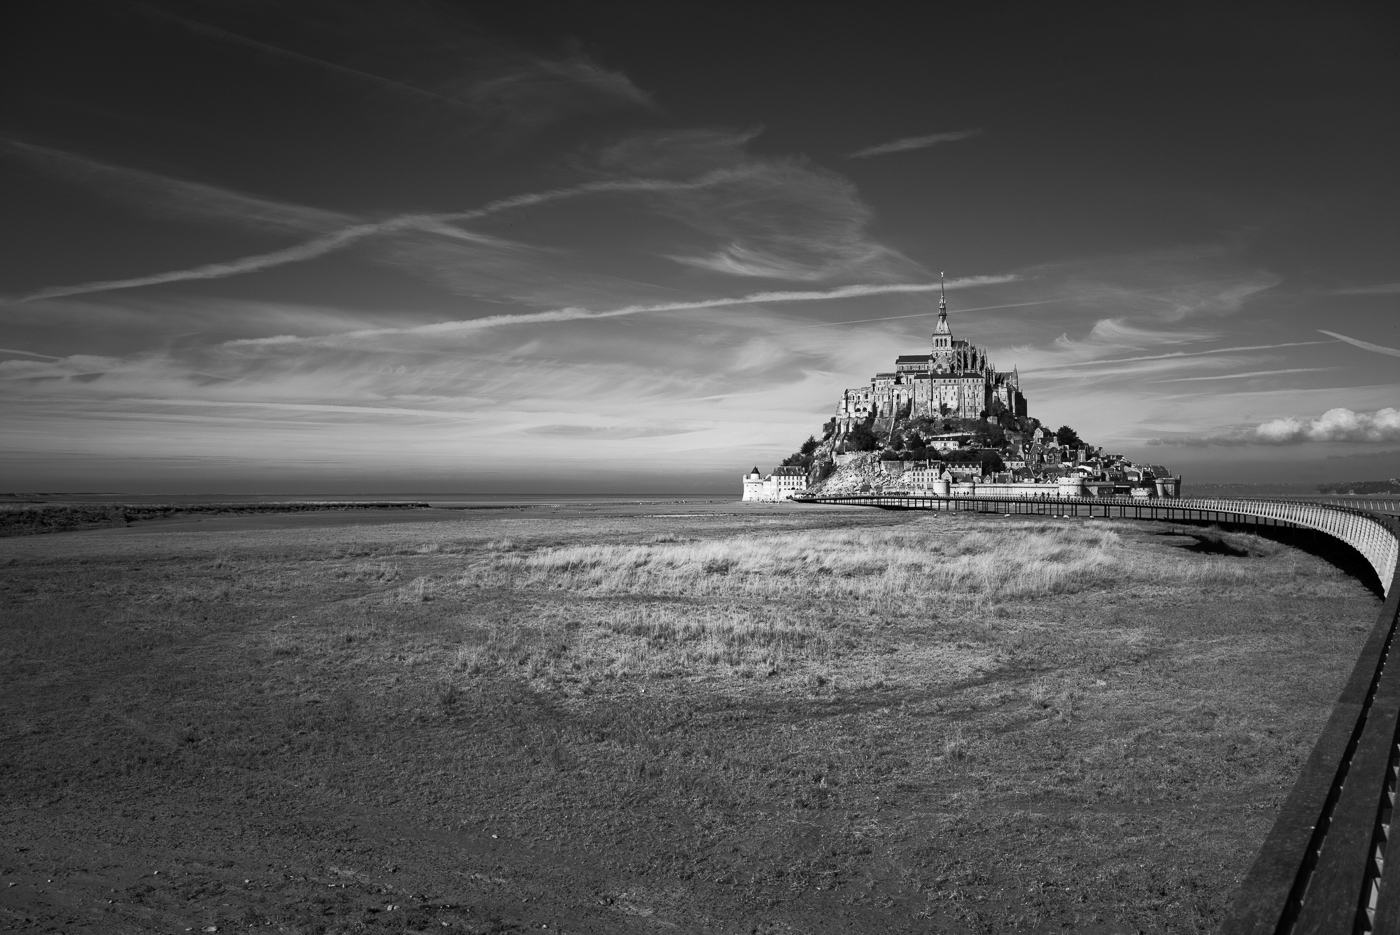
(576, 314)
(915, 142)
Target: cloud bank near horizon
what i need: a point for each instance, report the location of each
(1334, 425)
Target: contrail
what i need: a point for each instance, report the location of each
(251, 264)
(361, 76)
(914, 142)
(1251, 373)
(329, 243)
(981, 308)
(310, 407)
(1179, 354)
(11, 350)
(162, 195)
(1364, 345)
(309, 250)
(575, 314)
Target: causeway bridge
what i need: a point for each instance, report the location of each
(1323, 867)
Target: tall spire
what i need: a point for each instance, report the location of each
(942, 308)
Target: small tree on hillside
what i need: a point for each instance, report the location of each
(1068, 437)
(803, 456)
(989, 435)
(861, 438)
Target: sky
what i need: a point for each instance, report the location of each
(337, 247)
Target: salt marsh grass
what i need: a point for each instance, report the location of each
(801, 720)
(1012, 561)
(799, 602)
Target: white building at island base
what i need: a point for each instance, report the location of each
(780, 485)
(931, 484)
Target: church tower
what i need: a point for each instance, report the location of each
(943, 357)
(956, 379)
(942, 329)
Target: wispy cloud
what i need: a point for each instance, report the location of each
(1107, 340)
(249, 264)
(606, 431)
(1386, 453)
(164, 196)
(1249, 373)
(264, 48)
(10, 350)
(930, 314)
(914, 142)
(1364, 345)
(1380, 288)
(738, 260)
(614, 395)
(1176, 355)
(539, 91)
(576, 314)
(781, 219)
(440, 224)
(775, 218)
(517, 91)
(303, 407)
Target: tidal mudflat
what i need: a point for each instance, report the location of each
(717, 719)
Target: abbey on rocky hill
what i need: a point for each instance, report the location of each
(948, 423)
(954, 379)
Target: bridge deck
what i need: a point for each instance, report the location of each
(1322, 868)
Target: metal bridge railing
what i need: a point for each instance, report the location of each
(1323, 867)
(1363, 530)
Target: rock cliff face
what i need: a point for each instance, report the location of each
(860, 473)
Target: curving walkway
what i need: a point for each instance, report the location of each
(1322, 869)
(1370, 533)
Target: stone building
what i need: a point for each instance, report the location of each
(780, 485)
(953, 379)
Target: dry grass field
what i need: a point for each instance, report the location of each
(770, 720)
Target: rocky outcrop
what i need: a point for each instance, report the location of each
(856, 473)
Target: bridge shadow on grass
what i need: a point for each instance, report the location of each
(1210, 539)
